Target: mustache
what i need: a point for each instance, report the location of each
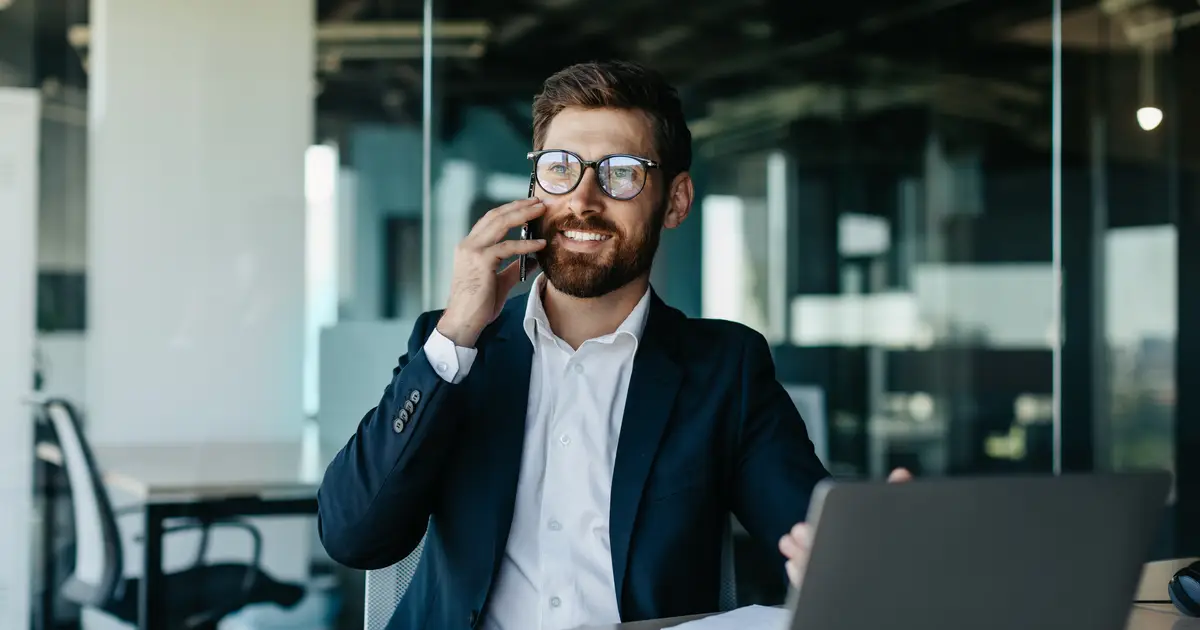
(591, 223)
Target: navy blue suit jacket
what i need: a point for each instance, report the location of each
(708, 430)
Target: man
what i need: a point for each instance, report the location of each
(571, 456)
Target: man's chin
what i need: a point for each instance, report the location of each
(586, 275)
(579, 283)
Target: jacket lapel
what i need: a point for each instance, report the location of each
(507, 362)
(653, 386)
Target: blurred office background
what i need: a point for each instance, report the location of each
(969, 228)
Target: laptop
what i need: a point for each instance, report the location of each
(985, 553)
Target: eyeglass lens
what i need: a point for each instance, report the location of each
(621, 177)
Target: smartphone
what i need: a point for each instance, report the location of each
(527, 232)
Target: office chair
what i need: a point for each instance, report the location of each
(385, 587)
(197, 597)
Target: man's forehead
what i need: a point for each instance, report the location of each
(594, 133)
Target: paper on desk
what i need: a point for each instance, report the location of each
(747, 618)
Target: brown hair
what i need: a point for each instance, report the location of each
(619, 85)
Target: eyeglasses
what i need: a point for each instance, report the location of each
(621, 177)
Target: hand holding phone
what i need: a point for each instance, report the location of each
(477, 291)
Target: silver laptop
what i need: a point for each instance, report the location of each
(986, 554)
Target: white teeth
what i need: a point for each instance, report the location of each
(584, 236)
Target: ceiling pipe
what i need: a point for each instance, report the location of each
(373, 31)
(80, 35)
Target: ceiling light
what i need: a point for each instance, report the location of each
(1149, 117)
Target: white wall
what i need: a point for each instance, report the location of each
(18, 238)
(199, 117)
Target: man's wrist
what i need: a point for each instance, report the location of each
(463, 336)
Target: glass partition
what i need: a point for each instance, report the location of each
(874, 196)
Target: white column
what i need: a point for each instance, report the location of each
(19, 122)
(200, 114)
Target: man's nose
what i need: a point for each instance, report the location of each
(587, 196)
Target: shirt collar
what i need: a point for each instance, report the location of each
(536, 322)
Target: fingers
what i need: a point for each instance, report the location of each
(795, 545)
(899, 475)
(504, 249)
(790, 547)
(797, 542)
(498, 221)
(795, 572)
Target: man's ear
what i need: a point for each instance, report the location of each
(679, 200)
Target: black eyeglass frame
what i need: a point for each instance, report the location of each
(533, 156)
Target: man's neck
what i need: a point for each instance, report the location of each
(575, 320)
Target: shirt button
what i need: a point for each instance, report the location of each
(442, 367)
(554, 525)
(565, 439)
(555, 602)
(579, 368)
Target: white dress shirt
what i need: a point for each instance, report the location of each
(557, 571)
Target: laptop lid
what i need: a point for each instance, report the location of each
(986, 553)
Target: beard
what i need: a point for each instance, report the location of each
(584, 275)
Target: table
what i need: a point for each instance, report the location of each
(1142, 617)
(205, 481)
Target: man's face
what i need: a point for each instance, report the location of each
(596, 244)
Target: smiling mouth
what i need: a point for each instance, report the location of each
(583, 237)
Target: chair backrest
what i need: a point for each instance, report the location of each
(98, 570)
(385, 587)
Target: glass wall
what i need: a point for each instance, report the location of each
(1129, 176)
(874, 195)
(1123, 173)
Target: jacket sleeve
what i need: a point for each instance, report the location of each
(777, 467)
(375, 500)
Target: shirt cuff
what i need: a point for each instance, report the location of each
(451, 362)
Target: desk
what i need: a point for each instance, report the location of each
(1142, 617)
(203, 481)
